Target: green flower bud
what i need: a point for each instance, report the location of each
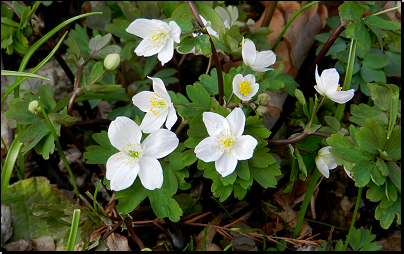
(33, 106)
(112, 61)
(262, 110)
(263, 99)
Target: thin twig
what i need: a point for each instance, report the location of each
(268, 13)
(282, 142)
(133, 234)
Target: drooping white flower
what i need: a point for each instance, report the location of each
(229, 16)
(158, 107)
(258, 61)
(158, 38)
(245, 87)
(135, 158)
(226, 145)
(327, 85)
(325, 161)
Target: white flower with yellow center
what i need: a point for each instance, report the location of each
(327, 85)
(325, 161)
(226, 144)
(158, 107)
(257, 61)
(135, 158)
(158, 38)
(245, 87)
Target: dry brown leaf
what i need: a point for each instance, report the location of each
(44, 243)
(209, 237)
(117, 242)
(240, 241)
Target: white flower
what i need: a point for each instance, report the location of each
(327, 85)
(135, 159)
(229, 16)
(158, 38)
(158, 107)
(325, 161)
(226, 144)
(245, 87)
(258, 61)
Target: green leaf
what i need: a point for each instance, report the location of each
(361, 171)
(21, 74)
(332, 122)
(99, 154)
(377, 22)
(358, 31)
(261, 158)
(394, 174)
(47, 95)
(375, 61)
(290, 83)
(35, 132)
(377, 176)
(380, 95)
(198, 95)
(45, 146)
(168, 7)
(300, 161)
(382, 167)
(164, 206)
(391, 190)
(257, 131)
(128, 201)
(203, 44)
(209, 82)
(243, 170)
(219, 190)
(229, 180)
(181, 174)
(20, 196)
(170, 183)
(341, 147)
(368, 74)
(149, 65)
(375, 193)
(62, 119)
(263, 177)
(363, 111)
(97, 69)
(18, 110)
(118, 28)
(210, 15)
(350, 11)
(188, 157)
(371, 137)
(386, 215)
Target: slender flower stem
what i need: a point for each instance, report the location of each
(269, 12)
(214, 53)
(306, 201)
(59, 147)
(76, 86)
(133, 234)
(180, 104)
(391, 9)
(358, 201)
(290, 22)
(282, 142)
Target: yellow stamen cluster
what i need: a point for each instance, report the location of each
(157, 104)
(245, 88)
(339, 88)
(226, 142)
(133, 151)
(157, 37)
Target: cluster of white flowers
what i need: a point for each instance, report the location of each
(226, 144)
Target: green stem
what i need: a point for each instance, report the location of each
(290, 22)
(358, 201)
(73, 230)
(391, 9)
(58, 146)
(306, 201)
(231, 245)
(95, 195)
(348, 78)
(180, 104)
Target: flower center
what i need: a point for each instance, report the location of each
(157, 104)
(245, 88)
(226, 141)
(133, 152)
(158, 37)
(339, 88)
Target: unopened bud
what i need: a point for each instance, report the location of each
(262, 110)
(33, 106)
(250, 22)
(112, 61)
(263, 99)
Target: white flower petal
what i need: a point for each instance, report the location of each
(236, 120)
(159, 144)
(341, 97)
(146, 49)
(151, 122)
(322, 166)
(208, 150)
(248, 52)
(215, 123)
(142, 27)
(160, 89)
(319, 87)
(264, 59)
(124, 176)
(330, 79)
(142, 100)
(114, 163)
(150, 173)
(244, 149)
(166, 53)
(226, 164)
(171, 117)
(329, 159)
(175, 31)
(123, 130)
